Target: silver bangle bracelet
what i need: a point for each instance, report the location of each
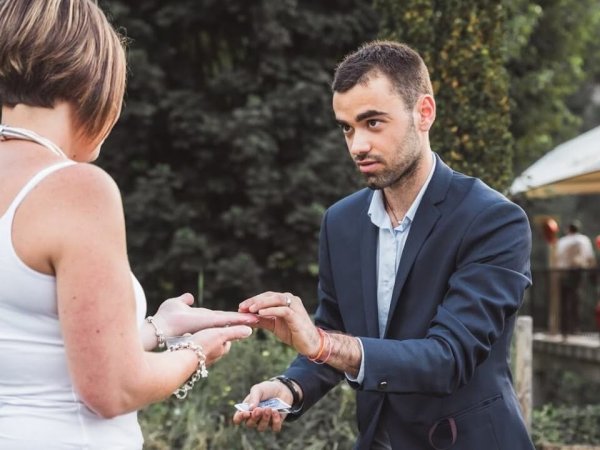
(160, 336)
(176, 343)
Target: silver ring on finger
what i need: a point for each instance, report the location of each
(288, 301)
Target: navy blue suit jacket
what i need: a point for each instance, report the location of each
(443, 362)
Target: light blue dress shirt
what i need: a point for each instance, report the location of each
(390, 245)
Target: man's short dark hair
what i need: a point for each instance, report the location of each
(403, 66)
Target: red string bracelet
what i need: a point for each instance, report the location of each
(324, 360)
(321, 346)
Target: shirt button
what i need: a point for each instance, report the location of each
(382, 386)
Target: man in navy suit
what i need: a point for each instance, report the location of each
(420, 278)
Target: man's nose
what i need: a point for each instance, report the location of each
(360, 145)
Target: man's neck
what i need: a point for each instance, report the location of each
(401, 195)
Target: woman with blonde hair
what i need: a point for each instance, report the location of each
(75, 348)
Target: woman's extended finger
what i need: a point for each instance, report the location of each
(234, 333)
(207, 318)
(210, 337)
(187, 298)
(265, 322)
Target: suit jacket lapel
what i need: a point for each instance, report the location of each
(425, 218)
(369, 235)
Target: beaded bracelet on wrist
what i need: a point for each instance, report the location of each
(183, 342)
(160, 336)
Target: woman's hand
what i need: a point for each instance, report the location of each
(176, 316)
(216, 342)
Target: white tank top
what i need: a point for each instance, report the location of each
(39, 408)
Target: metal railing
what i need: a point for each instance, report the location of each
(563, 301)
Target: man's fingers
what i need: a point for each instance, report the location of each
(265, 322)
(277, 421)
(264, 300)
(273, 303)
(251, 421)
(260, 418)
(240, 416)
(265, 419)
(275, 311)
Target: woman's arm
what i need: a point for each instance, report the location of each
(86, 243)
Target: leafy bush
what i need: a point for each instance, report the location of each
(572, 412)
(203, 420)
(567, 425)
(559, 386)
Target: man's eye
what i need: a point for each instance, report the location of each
(373, 123)
(346, 128)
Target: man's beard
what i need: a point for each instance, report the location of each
(399, 172)
(391, 177)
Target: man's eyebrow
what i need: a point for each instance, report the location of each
(363, 116)
(370, 113)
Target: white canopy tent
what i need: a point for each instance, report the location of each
(571, 168)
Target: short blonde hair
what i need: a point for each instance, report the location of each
(62, 50)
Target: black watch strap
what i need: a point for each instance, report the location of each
(292, 387)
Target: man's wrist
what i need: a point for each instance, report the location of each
(294, 388)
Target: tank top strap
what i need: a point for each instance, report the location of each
(32, 183)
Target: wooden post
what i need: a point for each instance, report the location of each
(523, 348)
(553, 292)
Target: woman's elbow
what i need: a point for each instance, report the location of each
(104, 404)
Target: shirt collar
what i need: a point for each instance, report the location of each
(379, 216)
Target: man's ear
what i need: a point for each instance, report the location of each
(425, 112)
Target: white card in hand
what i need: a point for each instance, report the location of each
(273, 403)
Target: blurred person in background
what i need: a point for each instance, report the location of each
(574, 254)
(75, 348)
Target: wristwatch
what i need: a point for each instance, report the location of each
(290, 384)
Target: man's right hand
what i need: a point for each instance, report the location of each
(284, 315)
(264, 418)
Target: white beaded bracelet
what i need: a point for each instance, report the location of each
(160, 336)
(185, 342)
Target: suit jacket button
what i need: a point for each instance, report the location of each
(382, 386)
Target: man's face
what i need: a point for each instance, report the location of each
(380, 132)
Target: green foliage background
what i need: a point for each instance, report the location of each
(227, 153)
(463, 44)
(203, 420)
(553, 62)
